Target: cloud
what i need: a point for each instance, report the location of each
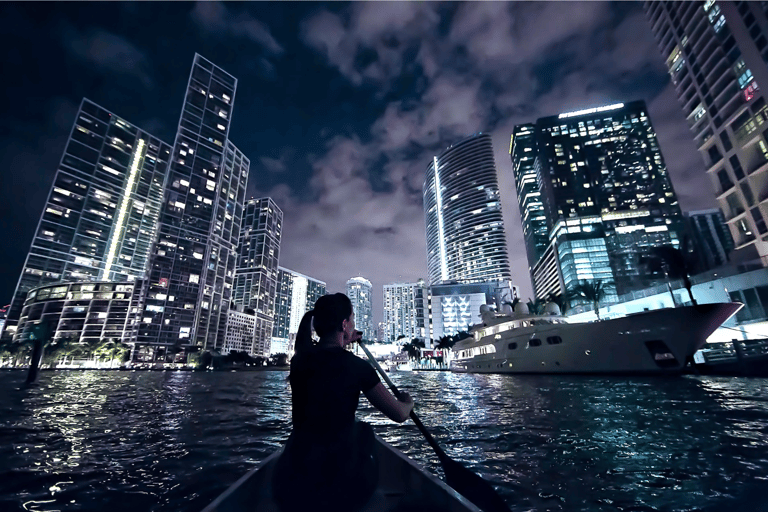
(110, 52)
(483, 66)
(214, 17)
(276, 165)
(368, 41)
(350, 229)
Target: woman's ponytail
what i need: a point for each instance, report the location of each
(304, 336)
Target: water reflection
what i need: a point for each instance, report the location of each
(166, 441)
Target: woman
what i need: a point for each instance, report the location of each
(327, 463)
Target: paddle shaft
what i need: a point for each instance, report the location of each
(431, 440)
(465, 482)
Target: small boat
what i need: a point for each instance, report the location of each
(660, 341)
(404, 367)
(402, 484)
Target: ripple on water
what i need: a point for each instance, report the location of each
(172, 441)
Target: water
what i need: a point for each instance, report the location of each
(172, 441)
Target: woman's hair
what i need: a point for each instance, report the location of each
(328, 315)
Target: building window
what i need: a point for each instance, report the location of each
(759, 220)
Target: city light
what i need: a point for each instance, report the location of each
(590, 111)
(440, 230)
(123, 207)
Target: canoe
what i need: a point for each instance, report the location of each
(403, 484)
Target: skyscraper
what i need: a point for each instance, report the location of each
(711, 237)
(716, 53)
(296, 294)
(101, 216)
(465, 231)
(606, 195)
(359, 291)
(258, 253)
(406, 311)
(522, 149)
(193, 263)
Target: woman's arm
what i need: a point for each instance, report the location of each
(383, 400)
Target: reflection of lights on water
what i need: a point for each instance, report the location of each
(36, 502)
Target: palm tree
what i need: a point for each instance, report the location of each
(536, 306)
(412, 348)
(674, 263)
(592, 291)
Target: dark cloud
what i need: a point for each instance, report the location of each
(110, 52)
(272, 164)
(340, 134)
(215, 18)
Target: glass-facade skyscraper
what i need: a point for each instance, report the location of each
(607, 197)
(256, 274)
(296, 294)
(462, 207)
(716, 53)
(101, 216)
(360, 293)
(522, 150)
(193, 263)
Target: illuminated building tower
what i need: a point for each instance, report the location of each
(101, 216)
(296, 294)
(522, 150)
(193, 263)
(359, 291)
(716, 53)
(406, 311)
(607, 197)
(462, 208)
(256, 274)
(712, 239)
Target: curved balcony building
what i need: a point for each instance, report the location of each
(86, 312)
(462, 207)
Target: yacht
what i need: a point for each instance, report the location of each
(660, 341)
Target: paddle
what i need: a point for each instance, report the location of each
(464, 481)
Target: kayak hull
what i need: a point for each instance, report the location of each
(403, 484)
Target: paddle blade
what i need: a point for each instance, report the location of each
(473, 487)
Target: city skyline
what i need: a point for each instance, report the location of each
(342, 154)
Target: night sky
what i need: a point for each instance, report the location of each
(340, 107)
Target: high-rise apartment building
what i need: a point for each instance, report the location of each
(711, 237)
(296, 294)
(462, 207)
(360, 292)
(716, 53)
(534, 220)
(606, 195)
(406, 311)
(100, 219)
(258, 253)
(240, 335)
(193, 264)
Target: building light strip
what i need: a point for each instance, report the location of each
(440, 233)
(590, 111)
(123, 207)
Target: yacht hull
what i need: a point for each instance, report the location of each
(652, 342)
